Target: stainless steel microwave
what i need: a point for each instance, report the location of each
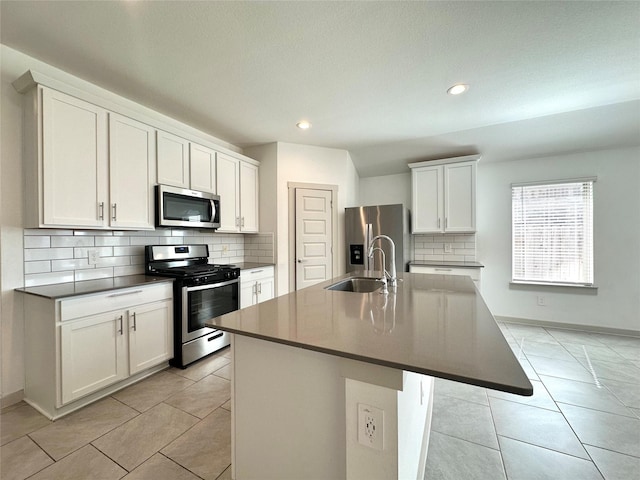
(182, 207)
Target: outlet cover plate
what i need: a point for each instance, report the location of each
(370, 426)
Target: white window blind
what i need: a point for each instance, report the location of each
(552, 229)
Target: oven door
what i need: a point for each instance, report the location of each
(204, 302)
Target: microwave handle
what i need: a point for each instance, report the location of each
(212, 208)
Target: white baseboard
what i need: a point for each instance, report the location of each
(11, 398)
(568, 326)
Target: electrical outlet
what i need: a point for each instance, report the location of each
(92, 256)
(370, 426)
(225, 250)
(542, 301)
(447, 248)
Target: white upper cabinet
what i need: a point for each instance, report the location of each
(91, 162)
(444, 195)
(248, 197)
(73, 163)
(460, 197)
(228, 188)
(202, 168)
(131, 173)
(237, 185)
(86, 167)
(173, 160)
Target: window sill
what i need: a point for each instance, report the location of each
(553, 286)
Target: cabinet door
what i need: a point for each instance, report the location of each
(131, 173)
(427, 199)
(228, 184)
(74, 161)
(150, 335)
(202, 168)
(248, 197)
(173, 160)
(248, 293)
(92, 354)
(460, 203)
(265, 289)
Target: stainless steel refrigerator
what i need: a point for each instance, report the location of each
(364, 223)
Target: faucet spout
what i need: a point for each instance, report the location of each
(392, 273)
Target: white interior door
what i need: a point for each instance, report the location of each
(314, 231)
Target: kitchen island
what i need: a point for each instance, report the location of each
(335, 384)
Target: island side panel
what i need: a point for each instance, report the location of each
(288, 412)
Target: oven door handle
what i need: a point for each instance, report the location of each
(211, 285)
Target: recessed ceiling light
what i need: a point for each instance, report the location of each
(458, 89)
(303, 125)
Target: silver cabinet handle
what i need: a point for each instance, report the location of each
(259, 288)
(114, 206)
(446, 222)
(121, 331)
(101, 211)
(134, 321)
(237, 221)
(242, 222)
(256, 271)
(443, 269)
(438, 222)
(122, 294)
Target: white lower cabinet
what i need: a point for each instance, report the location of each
(256, 285)
(79, 349)
(91, 355)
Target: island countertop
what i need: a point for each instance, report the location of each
(436, 325)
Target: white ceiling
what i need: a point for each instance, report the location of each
(546, 77)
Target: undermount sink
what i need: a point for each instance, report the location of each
(357, 284)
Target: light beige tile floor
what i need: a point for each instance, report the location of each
(583, 421)
(174, 425)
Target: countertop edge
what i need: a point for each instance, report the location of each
(525, 391)
(58, 291)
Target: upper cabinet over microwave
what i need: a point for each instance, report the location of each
(181, 207)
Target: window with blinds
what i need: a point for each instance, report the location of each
(552, 230)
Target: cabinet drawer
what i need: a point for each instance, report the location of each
(87, 305)
(474, 273)
(253, 274)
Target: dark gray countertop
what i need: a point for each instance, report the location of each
(252, 265)
(70, 289)
(437, 325)
(446, 263)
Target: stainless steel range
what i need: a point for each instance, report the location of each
(201, 292)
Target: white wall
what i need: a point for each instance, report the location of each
(616, 304)
(303, 164)
(11, 268)
(386, 190)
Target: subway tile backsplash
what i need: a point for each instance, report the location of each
(432, 247)
(57, 256)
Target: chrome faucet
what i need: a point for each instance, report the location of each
(384, 270)
(392, 274)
